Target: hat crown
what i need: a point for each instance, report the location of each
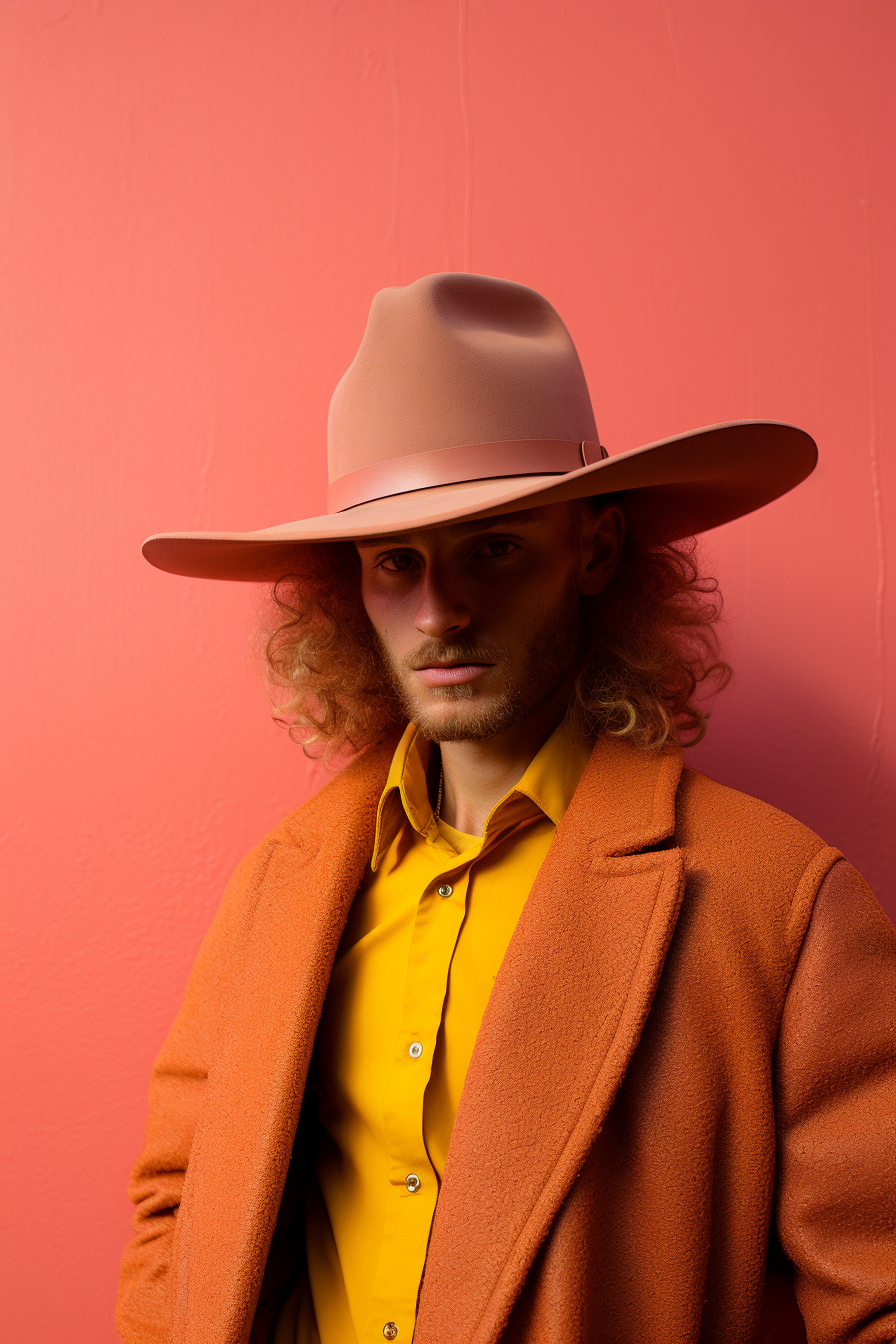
(456, 359)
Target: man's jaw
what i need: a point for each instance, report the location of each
(455, 693)
(460, 711)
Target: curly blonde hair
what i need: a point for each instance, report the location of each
(647, 644)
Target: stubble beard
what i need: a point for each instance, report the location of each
(550, 659)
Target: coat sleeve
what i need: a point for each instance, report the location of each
(176, 1090)
(836, 1114)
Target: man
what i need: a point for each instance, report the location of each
(518, 1029)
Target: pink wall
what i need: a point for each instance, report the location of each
(199, 199)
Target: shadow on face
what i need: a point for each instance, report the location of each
(477, 620)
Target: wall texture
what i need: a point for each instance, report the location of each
(199, 198)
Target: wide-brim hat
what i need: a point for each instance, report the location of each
(467, 399)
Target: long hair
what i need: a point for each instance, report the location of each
(647, 645)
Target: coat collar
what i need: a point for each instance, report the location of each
(564, 1017)
(565, 1014)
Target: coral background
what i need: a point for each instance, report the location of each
(199, 199)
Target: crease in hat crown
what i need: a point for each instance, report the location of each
(456, 362)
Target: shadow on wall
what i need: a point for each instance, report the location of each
(781, 741)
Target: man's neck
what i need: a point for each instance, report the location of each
(476, 775)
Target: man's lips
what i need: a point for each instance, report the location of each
(444, 674)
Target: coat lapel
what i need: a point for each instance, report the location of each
(241, 1151)
(565, 1014)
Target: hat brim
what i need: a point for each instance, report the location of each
(673, 488)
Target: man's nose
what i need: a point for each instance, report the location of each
(442, 611)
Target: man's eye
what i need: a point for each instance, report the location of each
(497, 547)
(398, 563)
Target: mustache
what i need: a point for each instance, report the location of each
(436, 651)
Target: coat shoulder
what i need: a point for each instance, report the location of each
(352, 792)
(704, 802)
(763, 864)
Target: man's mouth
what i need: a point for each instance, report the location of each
(451, 674)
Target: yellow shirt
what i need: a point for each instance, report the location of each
(424, 940)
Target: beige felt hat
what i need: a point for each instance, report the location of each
(467, 399)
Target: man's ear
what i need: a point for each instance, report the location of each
(603, 532)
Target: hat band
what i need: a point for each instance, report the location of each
(451, 466)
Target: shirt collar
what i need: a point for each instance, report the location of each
(549, 783)
(554, 773)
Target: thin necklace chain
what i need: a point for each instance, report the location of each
(438, 810)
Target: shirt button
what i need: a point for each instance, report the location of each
(390, 1330)
(413, 1184)
(445, 889)
(415, 1050)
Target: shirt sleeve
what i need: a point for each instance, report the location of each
(836, 1116)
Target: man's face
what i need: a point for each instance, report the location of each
(478, 621)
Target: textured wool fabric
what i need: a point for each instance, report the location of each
(414, 966)
(681, 1095)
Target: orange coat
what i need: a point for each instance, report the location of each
(679, 1098)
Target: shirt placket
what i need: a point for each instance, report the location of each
(412, 1178)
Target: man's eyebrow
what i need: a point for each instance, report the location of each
(473, 525)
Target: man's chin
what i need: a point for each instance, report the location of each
(469, 720)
